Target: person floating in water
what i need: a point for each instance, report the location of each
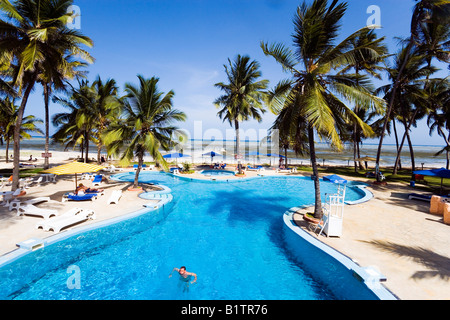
(185, 277)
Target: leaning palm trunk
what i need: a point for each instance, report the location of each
(238, 146)
(312, 151)
(17, 128)
(47, 125)
(399, 151)
(138, 170)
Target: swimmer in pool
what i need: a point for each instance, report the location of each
(185, 277)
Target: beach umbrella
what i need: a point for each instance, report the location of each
(440, 173)
(176, 156)
(73, 168)
(335, 179)
(212, 154)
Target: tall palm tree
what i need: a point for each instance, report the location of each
(243, 97)
(410, 102)
(56, 82)
(146, 125)
(439, 117)
(312, 92)
(76, 125)
(8, 121)
(439, 12)
(104, 111)
(35, 41)
(372, 67)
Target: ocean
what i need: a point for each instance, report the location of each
(424, 155)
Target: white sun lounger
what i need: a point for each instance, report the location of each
(115, 197)
(31, 210)
(15, 204)
(68, 219)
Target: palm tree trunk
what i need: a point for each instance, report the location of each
(407, 128)
(16, 143)
(99, 151)
(312, 151)
(47, 125)
(86, 141)
(391, 105)
(138, 170)
(238, 139)
(396, 142)
(354, 148)
(7, 150)
(413, 160)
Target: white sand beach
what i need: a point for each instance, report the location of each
(391, 233)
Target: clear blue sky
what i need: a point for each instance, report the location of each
(186, 43)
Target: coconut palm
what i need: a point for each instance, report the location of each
(439, 117)
(8, 121)
(424, 11)
(312, 91)
(76, 125)
(35, 42)
(372, 67)
(243, 97)
(146, 125)
(410, 102)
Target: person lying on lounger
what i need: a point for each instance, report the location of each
(83, 189)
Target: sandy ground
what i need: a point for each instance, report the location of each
(391, 233)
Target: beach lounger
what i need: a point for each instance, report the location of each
(97, 180)
(7, 198)
(421, 197)
(285, 170)
(31, 210)
(16, 204)
(259, 168)
(84, 197)
(68, 219)
(115, 197)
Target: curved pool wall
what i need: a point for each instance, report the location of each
(350, 281)
(154, 213)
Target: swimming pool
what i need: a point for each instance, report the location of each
(229, 234)
(217, 173)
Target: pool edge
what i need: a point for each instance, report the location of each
(363, 274)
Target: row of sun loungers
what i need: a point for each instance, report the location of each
(70, 218)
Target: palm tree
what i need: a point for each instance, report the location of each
(311, 93)
(146, 125)
(372, 67)
(35, 41)
(243, 95)
(410, 102)
(8, 121)
(439, 117)
(424, 11)
(76, 126)
(105, 110)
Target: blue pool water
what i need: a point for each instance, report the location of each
(229, 234)
(217, 173)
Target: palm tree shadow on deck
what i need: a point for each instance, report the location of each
(438, 265)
